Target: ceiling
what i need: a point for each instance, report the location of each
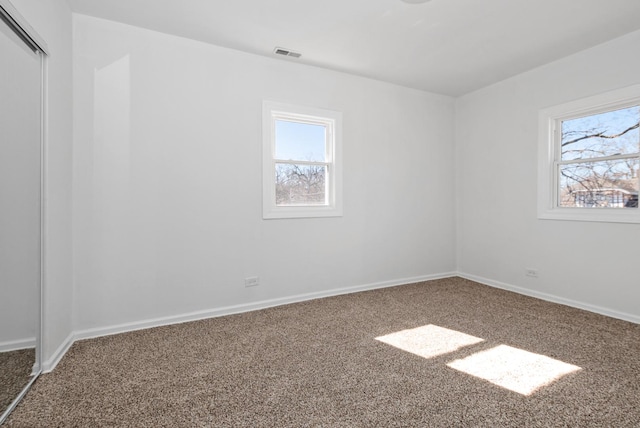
(449, 47)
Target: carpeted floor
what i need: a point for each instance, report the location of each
(318, 363)
(15, 373)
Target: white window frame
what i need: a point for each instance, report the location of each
(549, 151)
(332, 120)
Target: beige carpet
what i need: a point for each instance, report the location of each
(15, 373)
(318, 363)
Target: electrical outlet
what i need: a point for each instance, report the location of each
(251, 281)
(532, 273)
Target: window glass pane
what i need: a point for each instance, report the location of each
(300, 141)
(605, 134)
(611, 184)
(300, 184)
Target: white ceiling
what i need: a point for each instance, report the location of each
(445, 46)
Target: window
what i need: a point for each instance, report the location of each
(301, 162)
(590, 157)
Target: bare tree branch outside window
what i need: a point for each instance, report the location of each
(300, 184)
(600, 160)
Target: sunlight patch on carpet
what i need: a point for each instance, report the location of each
(429, 341)
(514, 369)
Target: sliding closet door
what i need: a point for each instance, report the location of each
(20, 205)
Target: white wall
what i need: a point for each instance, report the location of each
(165, 224)
(167, 202)
(593, 265)
(52, 21)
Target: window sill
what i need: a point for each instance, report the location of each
(274, 213)
(603, 215)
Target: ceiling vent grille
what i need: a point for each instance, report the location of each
(286, 52)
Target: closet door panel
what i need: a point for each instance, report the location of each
(20, 182)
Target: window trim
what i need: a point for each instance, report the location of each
(549, 152)
(272, 111)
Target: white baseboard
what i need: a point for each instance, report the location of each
(55, 358)
(51, 363)
(552, 298)
(16, 345)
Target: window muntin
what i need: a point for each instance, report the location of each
(589, 158)
(301, 164)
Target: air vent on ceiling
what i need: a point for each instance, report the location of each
(286, 52)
